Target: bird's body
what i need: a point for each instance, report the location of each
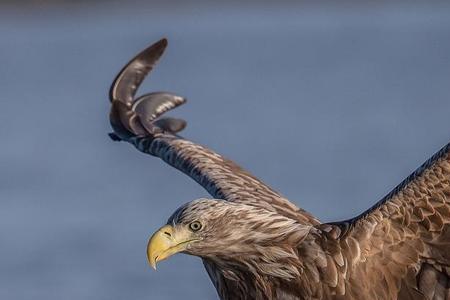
(255, 244)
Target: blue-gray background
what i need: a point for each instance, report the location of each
(332, 104)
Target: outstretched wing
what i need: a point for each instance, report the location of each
(401, 246)
(138, 122)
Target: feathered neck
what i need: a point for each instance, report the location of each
(294, 262)
(258, 261)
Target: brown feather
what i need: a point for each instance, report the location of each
(398, 249)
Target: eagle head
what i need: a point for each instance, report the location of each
(228, 233)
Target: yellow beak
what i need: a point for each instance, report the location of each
(166, 242)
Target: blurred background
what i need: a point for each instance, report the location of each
(333, 104)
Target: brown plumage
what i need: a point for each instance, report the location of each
(255, 244)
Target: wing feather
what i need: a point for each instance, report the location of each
(138, 122)
(131, 76)
(406, 235)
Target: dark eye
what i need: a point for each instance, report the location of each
(195, 226)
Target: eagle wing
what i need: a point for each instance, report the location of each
(401, 246)
(139, 122)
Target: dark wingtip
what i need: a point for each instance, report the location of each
(130, 116)
(172, 125)
(151, 106)
(133, 73)
(163, 42)
(114, 137)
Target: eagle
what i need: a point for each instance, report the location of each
(256, 244)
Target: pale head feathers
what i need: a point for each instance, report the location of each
(243, 236)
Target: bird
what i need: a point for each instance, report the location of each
(256, 244)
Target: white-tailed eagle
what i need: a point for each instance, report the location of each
(255, 244)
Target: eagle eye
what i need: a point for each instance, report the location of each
(195, 226)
